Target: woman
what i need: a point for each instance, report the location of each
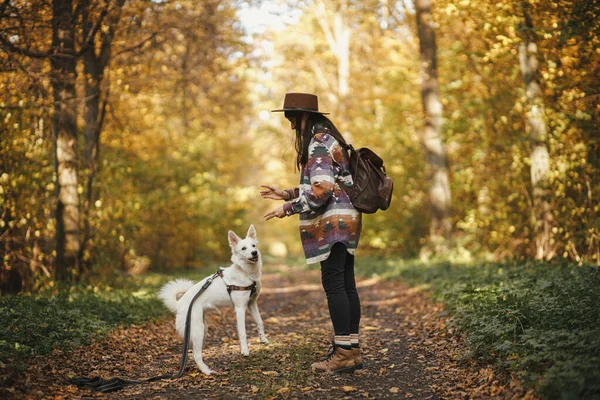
(329, 224)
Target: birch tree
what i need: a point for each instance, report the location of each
(540, 158)
(65, 134)
(63, 57)
(431, 133)
(335, 26)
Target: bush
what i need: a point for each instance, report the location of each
(540, 321)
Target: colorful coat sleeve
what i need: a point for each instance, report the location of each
(322, 181)
(293, 193)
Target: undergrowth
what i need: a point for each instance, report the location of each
(62, 319)
(540, 321)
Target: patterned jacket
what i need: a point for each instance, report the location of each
(326, 213)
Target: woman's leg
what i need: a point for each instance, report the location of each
(352, 294)
(333, 279)
(354, 303)
(342, 358)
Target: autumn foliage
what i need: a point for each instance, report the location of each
(172, 134)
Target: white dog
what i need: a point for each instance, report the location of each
(232, 287)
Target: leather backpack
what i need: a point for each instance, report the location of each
(372, 189)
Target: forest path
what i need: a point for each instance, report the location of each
(407, 349)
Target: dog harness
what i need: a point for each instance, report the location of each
(252, 287)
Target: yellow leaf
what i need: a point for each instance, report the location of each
(270, 373)
(394, 390)
(283, 390)
(348, 389)
(254, 389)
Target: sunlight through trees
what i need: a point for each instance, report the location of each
(131, 135)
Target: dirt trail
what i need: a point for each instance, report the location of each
(407, 349)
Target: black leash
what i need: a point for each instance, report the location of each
(98, 384)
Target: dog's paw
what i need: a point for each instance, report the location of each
(206, 371)
(245, 352)
(264, 340)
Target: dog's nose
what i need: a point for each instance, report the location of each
(254, 253)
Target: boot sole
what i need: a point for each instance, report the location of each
(344, 370)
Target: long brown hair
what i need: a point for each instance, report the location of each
(303, 137)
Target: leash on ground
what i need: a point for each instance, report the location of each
(98, 384)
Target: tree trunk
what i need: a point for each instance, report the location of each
(92, 135)
(540, 158)
(93, 80)
(95, 66)
(63, 64)
(431, 134)
(342, 38)
(338, 38)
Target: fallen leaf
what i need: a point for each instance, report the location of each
(348, 389)
(71, 389)
(254, 389)
(270, 373)
(394, 390)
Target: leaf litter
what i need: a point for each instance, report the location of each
(408, 351)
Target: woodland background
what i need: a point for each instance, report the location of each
(136, 133)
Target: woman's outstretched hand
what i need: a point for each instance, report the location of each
(278, 212)
(273, 192)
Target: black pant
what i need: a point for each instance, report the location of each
(337, 276)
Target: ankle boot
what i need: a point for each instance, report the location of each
(358, 362)
(338, 360)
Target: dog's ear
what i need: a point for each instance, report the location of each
(233, 239)
(251, 232)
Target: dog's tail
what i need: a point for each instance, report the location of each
(173, 291)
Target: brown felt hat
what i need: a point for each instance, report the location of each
(300, 102)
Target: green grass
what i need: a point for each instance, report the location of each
(541, 321)
(36, 325)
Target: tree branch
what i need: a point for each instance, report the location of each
(107, 39)
(324, 23)
(12, 48)
(90, 37)
(137, 46)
